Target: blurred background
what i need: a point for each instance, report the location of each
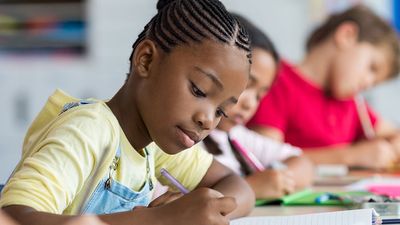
(83, 46)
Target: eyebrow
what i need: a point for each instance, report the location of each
(233, 100)
(213, 77)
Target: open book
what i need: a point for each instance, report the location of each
(348, 217)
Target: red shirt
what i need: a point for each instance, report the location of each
(306, 116)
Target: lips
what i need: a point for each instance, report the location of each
(187, 138)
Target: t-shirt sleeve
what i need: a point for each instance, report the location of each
(188, 167)
(273, 108)
(49, 179)
(267, 150)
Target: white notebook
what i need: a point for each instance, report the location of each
(348, 217)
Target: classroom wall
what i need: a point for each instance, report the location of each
(25, 83)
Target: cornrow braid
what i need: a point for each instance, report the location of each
(183, 21)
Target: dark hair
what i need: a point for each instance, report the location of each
(258, 38)
(372, 29)
(183, 21)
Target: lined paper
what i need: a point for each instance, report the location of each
(348, 217)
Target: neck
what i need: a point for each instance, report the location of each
(316, 65)
(124, 107)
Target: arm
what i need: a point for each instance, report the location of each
(228, 183)
(373, 154)
(271, 132)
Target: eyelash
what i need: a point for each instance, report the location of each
(220, 113)
(197, 92)
(200, 94)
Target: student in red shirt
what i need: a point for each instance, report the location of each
(312, 105)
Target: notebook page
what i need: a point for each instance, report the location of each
(348, 217)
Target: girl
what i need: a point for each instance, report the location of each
(270, 183)
(188, 66)
(312, 105)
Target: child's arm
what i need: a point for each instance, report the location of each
(271, 132)
(201, 206)
(224, 180)
(373, 154)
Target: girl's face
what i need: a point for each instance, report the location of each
(262, 74)
(189, 90)
(357, 68)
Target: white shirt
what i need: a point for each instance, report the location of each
(265, 149)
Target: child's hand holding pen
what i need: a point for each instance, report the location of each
(273, 183)
(377, 153)
(201, 206)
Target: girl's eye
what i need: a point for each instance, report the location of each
(196, 91)
(220, 113)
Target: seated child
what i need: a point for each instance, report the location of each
(188, 66)
(270, 183)
(312, 105)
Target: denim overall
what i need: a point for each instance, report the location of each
(110, 196)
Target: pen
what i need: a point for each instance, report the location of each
(174, 181)
(255, 163)
(390, 221)
(362, 111)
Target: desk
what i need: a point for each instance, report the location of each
(292, 210)
(297, 210)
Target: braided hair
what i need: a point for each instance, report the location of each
(184, 21)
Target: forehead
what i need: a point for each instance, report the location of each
(382, 59)
(226, 61)
(263, 68)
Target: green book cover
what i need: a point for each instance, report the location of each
(308, 197)
(284, 199)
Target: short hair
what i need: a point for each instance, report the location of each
(372, 29)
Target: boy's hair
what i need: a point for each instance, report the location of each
(372, 29)
(183, 21)
(258, 38)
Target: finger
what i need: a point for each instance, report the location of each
(164, 199)
(210, 192)
(226, 205)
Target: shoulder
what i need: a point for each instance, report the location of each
(95, 121)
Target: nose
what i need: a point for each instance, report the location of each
(205, 118)
(248, 100)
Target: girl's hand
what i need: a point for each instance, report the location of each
(272, 183)
(374, 154)
(199, 207)
(166, 198)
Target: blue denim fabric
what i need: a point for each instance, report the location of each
(110, 196)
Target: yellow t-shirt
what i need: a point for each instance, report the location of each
(61, 152)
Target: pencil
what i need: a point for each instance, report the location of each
(174, 181)
(254, 162)
(362, 111)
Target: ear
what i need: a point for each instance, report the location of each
(143, 58)
(346, 34)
